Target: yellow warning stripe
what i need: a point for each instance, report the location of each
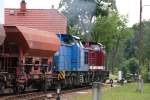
(61, 75)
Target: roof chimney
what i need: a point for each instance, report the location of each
(52, 6)
(23, 6)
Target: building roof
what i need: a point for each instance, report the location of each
(33, 42)
(2, 34)
(44, 19)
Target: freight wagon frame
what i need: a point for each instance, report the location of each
(25, 57)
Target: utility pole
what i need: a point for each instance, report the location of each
(140, 36)
(140, 39)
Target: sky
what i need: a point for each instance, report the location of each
(1, 10)
(129, 8)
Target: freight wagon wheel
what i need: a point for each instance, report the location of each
(40, 85)
(48, 85)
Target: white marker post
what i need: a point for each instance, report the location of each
(119, 75)
(58, 92)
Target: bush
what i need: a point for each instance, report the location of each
(114, 77)
(145, 73)
(133, 65)
(132, 68)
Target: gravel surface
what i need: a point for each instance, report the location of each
(73, 95)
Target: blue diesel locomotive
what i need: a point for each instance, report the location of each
(71, 63)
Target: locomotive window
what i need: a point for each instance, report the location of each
(86, 58)
(68, 40)
(1, 49)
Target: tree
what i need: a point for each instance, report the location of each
(124, 71)
(132, 48)
(104, 6)
(133, 65)
(111, 31)
(81, 13)
(74, 31)
(146, 32)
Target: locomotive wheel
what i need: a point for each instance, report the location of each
(20, 88)
(2, 87)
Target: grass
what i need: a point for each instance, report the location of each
(127, 92)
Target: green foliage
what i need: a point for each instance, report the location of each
(103, 7)
(124, 71)
(132, 65)
(112, 32)
(74, 31)
(146, 38)
(110, 29)
(114, 77)
(131, 47)
(80, 13)
(146, 43)
(145, 73)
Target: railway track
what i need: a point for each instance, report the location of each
(41, 95)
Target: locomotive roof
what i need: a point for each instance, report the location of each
(68, 36)
(92, 43)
